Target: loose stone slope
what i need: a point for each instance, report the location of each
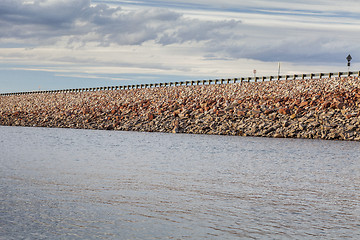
(317, 108)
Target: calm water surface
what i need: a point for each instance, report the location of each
(82, 184)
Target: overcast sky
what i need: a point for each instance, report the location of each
(57, 44)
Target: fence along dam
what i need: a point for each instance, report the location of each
(199, 82)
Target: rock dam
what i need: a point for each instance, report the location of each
(326, 108)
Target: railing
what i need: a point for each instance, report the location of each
(197, 82)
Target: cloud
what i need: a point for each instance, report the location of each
(48, 20)
(80, 22)
(196, 30)
(39, 20)
(178, 37)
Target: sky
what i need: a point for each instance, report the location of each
(60, 44)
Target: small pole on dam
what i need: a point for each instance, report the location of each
(349, 58)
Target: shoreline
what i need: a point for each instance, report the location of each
(327, 108)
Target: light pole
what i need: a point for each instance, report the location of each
(279, 69)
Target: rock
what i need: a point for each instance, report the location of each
(109, 127)
(351, 128)
(302, 126)
(348, 116)
(175, 130)
(284, 111)
(333, 135)
(268, 111)
(150, 116)
(175, 123)
(278, 135)
(269, 130)
(273, 116)
(303, 104)
(293, 116)
(299, 110)
(241, 113)
(326, 105)
(285, 124)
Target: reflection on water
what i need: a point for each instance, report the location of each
(82, 184)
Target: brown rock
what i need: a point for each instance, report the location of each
(220, 112)
(338, 105)
(241, 113)
(326, 105)
(348, 116)
(297, 102)
(273, 116)
(150, 116)
(304, 104)
(313, 103)
(85, 110)
(268, 111)
(299, 110)
(284, 111)
(176, 123)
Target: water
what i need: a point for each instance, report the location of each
(83, 184)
